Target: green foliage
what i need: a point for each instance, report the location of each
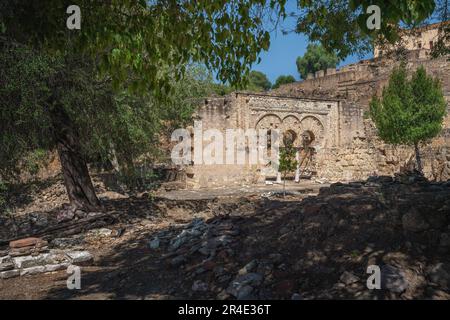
(34, 161)
(410, 110)
(316, 58)
(24, 121)
(258, 81)
(221, 89)
(61, 91)
(442, 45)
(110, 124)
(110, 87)
(287, 162)
(283, 80)
(145, 45)
(340, 25)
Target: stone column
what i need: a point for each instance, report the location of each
(278, 172)
(278, 177)
(297, 171)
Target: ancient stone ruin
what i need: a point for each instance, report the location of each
(330, 110)
(246, 239)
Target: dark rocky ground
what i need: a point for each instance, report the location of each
(264, 246)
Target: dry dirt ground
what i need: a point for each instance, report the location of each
(315, 243)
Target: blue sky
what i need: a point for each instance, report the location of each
(284, 50)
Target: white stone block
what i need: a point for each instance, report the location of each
(56, 267)
(30, 261)
(9, 274)
(80, 257)
(32, 270)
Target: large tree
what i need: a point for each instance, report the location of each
(138, 46)
(112, 125)
(410, 111)
(42, 97)
(315, 58)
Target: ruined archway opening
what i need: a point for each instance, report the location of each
(308, 138)
(289, 137)
(306, 166)
(269, 139)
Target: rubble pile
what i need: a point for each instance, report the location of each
(31, 256)
(207, 240)
(320, 247)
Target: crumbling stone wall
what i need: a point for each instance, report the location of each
(333, 104)
(242, 110)
(420, 38)
(364, 154)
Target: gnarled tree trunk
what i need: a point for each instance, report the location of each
(74, 168)
(418, 160)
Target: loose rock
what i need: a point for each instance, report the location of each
(348, 278)
(393, 279)
(199, 285)
(80, 257)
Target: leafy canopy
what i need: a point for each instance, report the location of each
(107, 121)
(410, 110)
(340, 25)
(145, 45)
(140, 47)
(316, 58)
(287, 161)
(283, 79)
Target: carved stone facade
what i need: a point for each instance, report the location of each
(318, 118)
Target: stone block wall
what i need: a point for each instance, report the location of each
(243, 110)
(333, 105)
(362, 154)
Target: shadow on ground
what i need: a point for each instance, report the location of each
(318, 247)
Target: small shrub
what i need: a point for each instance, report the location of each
(34, 161)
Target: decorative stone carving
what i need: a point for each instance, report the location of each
(314, 128)
(269, 121)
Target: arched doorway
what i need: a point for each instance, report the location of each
(289, 137)
(308, 138)
(271, 123)
(312, 126)
(306, 163)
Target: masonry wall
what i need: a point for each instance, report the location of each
(420, 38)
(333, 104)
(364, 154)
(251, 111)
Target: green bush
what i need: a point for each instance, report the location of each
(34, 161)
